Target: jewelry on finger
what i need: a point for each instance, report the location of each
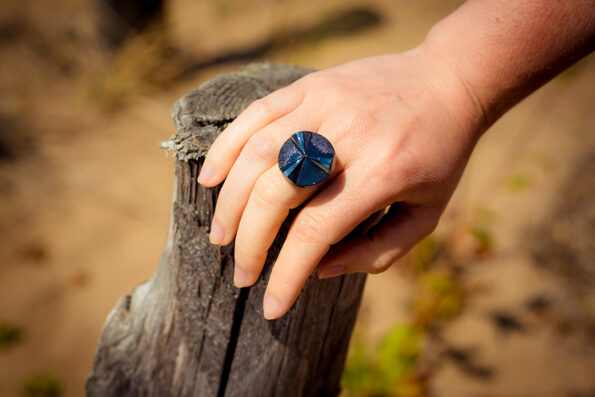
(306, 158)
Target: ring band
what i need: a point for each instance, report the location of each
(306, 158)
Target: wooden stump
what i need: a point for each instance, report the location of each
(188, 331)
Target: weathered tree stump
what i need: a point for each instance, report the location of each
(188, 331)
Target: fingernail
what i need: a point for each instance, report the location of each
(241, 278)
(271, 308)
(217, 234)
(206, 173)
(332, 271)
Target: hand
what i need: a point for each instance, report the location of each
(403, 127)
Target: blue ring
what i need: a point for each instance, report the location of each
(306, 158)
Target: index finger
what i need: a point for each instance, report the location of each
(260, 113)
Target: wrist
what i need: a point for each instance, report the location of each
(455, 94)
(463, 57)
(503, 50)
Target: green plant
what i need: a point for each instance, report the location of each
(438, 297)
(387, 370)
(359, 375)
(397, 356)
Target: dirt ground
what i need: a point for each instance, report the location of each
(85, 192)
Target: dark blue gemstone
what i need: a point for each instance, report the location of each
(306, 158)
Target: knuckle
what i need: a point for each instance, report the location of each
(309, 228)
(287, 280)
(267, 189)
(383, 255)
(283, 95)
(261, 147)
(382, 264)
(341, 93)
(424, 223)
(260, 108)
(382, 259)
(354, 129)
(224, 206)
(249, 256)
(364, 124)
(396, 168)
(314, 79)
(388, 154)
(429, 225)
(336, 96)
(388, 176)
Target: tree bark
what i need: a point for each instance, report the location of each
(188, 331)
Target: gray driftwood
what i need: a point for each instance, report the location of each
(188, 331)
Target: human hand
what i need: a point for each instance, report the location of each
(403, 127)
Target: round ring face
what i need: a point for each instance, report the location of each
(306, 158)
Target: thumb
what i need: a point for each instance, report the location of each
(397, 232)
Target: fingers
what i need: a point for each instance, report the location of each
(268, 206)
(331, 214)
(228, 145)
(258, 155)
(375, 252)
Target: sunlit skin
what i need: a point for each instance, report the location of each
(403, 127)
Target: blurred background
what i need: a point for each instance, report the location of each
(499, 301)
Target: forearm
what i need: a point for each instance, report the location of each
(502, 50)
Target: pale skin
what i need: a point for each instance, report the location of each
(403, 127)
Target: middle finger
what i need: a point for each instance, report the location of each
(268, 206)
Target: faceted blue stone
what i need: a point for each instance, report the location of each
(302, 138)
(306, 158)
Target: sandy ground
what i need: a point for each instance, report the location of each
(83, 214)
